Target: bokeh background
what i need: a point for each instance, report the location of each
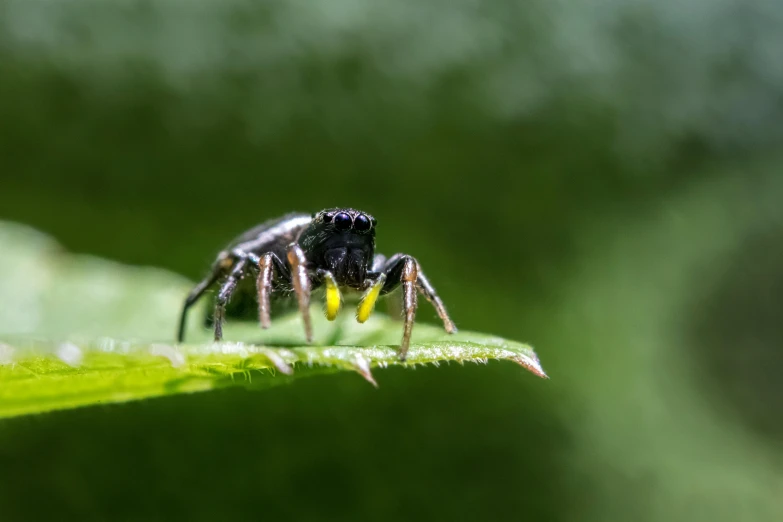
(599, 179)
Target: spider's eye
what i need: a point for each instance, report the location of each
(374, 222)
(342, 221)
(327, 218)
(362, 223)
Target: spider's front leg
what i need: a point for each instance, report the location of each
(270, 268)
(301, 283)
(402, 269)
(295, 272)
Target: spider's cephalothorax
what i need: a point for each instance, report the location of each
(333, 249)
(341, 241)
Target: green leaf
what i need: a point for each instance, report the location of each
(76, 330)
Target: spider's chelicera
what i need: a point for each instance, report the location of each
(297, 253)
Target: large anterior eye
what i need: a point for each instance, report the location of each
(342, 221)
(362, 223)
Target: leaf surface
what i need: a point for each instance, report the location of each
(77, 330)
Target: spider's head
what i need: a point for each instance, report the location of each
(341, 240)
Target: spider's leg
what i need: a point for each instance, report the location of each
(393, 302)
(194, 296)
(228, 287)
(403, 269)
(268, 264)
(301, 284)
(426, 288)
(378, 262)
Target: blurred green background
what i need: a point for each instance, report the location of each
(602, 181)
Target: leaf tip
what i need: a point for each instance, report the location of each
(362, 366)
(532, 364)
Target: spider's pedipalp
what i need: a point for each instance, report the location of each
(334, 299)
(367, 303)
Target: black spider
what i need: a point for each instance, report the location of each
(294, 254)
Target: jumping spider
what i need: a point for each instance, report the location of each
(297, 253)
